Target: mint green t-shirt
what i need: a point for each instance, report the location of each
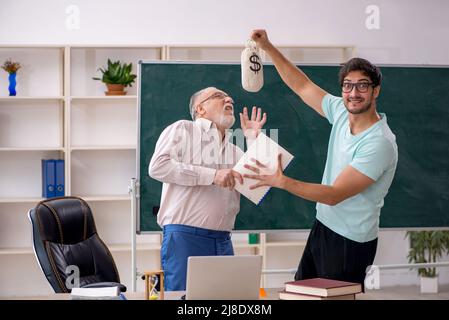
(372, 152)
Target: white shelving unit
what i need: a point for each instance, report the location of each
(31, 128)
(296, 53)
(61, 112)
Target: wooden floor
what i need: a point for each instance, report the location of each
(404, 293)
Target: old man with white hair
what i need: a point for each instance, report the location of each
(194, 160)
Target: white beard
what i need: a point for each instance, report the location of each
(226, 122)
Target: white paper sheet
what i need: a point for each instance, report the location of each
(266, 151)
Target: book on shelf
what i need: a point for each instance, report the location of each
(285, 295)
(103, 293)
(323, 287)
(53, 178)
(48, 178)
(59, 178)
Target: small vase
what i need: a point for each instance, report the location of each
(12, 84)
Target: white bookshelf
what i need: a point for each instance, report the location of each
(61, 112)
(140, 247)
(286, 244)
(20, 200)
(124, 197)
(15, 251)
(30, 99)
(132, 98)
(100, 147)
(296, 53)
(32, 149)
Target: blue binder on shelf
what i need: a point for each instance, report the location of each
(48, 178)
(59, 178)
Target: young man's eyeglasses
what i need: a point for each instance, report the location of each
(361, 86)
(216, 95)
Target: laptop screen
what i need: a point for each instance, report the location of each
(223, 277)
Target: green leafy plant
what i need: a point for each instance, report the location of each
(427, 247)
(11, 66)
(117, 73)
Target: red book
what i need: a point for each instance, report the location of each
(323, 287)
(284, 295)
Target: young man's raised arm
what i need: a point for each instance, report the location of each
(308, 91)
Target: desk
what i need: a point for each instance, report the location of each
(272, 294)
(387, 293)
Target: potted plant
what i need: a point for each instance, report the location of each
(11, 67)
(117, 76)
(428, 247)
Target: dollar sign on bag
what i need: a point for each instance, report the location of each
(254, 59)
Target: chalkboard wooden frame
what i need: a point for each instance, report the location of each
(411, 96)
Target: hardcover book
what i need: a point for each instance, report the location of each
(323, 287)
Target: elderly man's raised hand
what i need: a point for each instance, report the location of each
(251, 126)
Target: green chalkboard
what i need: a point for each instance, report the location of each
(415, 99)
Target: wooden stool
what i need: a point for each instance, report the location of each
(148, 275)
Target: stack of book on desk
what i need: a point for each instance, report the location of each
(103, 293)
(320, 289)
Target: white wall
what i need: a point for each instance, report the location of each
(411, 32)
(393, 249)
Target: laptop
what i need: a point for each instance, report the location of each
(223, 277)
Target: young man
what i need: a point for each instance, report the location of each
(360, 166)
(194, 160)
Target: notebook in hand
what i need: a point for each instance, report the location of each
(265, 150)
(323, 287)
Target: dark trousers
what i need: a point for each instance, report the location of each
(330, 255)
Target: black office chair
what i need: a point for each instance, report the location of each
(64, 237)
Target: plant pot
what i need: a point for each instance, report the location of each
(429, 285)
(115, 90)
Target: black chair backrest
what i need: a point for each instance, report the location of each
(65, 237)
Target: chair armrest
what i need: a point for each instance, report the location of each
(122, 288)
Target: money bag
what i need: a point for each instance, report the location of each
(252, 68)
